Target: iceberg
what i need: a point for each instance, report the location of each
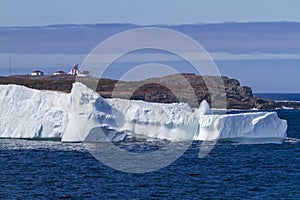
(99, 119)
(83, 115)
(30, 113)
(242, 127)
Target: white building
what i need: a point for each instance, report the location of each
(84, 74)
(74, 71)
(37, 73)
(57, 73)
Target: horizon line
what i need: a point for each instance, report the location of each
(147, 25)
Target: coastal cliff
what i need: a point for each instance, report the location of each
(155, 90)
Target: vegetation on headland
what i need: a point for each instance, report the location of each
(154, 90)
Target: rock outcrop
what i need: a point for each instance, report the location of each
(167, 89)
(158, 90)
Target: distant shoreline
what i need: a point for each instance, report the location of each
(238, 97)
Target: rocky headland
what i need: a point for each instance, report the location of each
(159, 89)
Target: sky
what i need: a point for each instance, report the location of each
(261, 70)
(38, 12)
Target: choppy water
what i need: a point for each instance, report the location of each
(32, 169)
(280, 96)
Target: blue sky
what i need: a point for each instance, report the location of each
(263, 56)
(39, 12)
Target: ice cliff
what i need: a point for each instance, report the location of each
(30, 113)
(83, 115)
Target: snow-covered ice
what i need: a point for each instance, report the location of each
(241, 126)
(83, 115)
(29, 113)
(117, 117)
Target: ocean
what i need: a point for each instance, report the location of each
(280, 96)
(41, 169)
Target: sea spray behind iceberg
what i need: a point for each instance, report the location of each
(204, 108)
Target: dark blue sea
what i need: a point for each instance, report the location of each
(280, 96)
(37, 169)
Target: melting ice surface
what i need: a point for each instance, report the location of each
(83, 115)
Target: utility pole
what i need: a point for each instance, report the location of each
(10, 63)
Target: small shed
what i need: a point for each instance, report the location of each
(37, 73)
(58, 73)
(84, 74)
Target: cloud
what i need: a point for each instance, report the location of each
(46, 60)
(253, 56)
(165, 57)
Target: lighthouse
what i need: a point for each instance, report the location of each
(74, 71)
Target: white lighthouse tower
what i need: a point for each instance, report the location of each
(74, 71)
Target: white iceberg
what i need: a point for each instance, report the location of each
(83, 115)
(242, 127)
(29, 113)
(98, 119)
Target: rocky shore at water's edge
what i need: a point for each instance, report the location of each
(162, 89)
